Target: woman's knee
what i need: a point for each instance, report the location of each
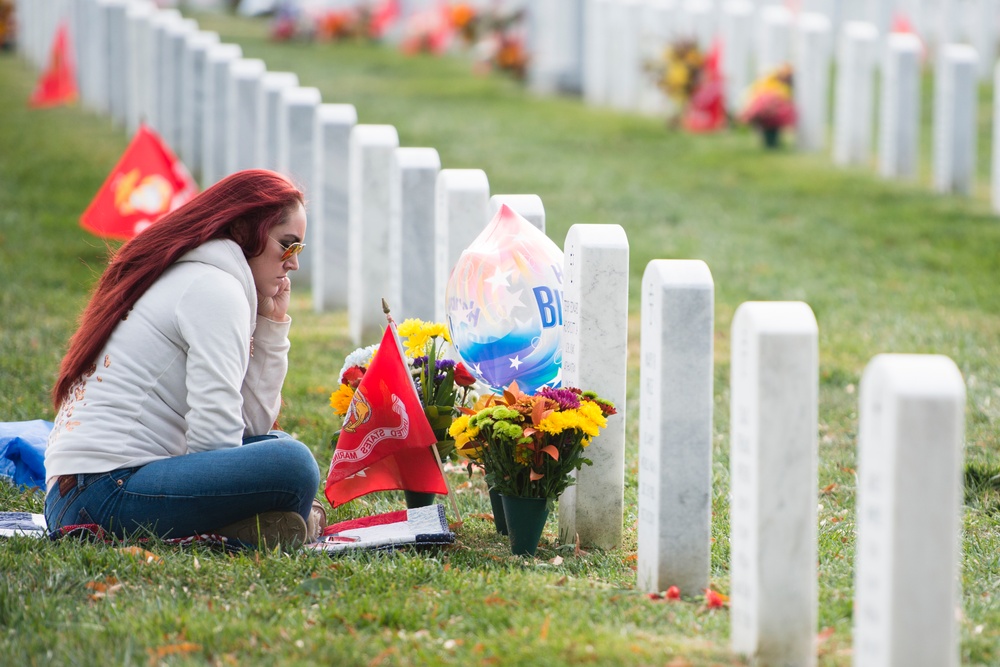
(296, 461)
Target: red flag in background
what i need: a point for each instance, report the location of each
(58, 83)
(386, 438)
(147, 182)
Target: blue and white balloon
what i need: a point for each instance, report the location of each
(504, 305)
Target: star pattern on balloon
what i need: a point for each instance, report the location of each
(499, 279)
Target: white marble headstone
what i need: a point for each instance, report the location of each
(854, 96)
(372, 151)
(297, 146)
(193, 109)
(529, 207)
(138, 16)
(955, 91)
(774, 47)
(267, 140)
(411, 232)
(597, 42)
(675, 426)
(909, 507)
(217, 113)
(246, 99)
(117, 60)
(461, 211)
(329, 227)
(812, 81)
(773, 473)
(595, 356)
(737, 32)
(899, 114)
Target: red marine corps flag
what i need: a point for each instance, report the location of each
(385, 440)
(147, 182)
(58, 83)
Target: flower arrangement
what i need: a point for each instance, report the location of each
(443, 385)
(679, 72)
(769, 105)
(529, 446)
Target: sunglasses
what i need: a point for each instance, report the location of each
(291, 249)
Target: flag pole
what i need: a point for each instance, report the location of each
(434, 448)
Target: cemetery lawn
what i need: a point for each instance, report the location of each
(886, 268)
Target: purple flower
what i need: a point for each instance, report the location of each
(444, 364)
(566, 398)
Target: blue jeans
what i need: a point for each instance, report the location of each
(192, 494)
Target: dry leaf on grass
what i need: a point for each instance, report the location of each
(558, 560)
(141, 554)
(103, 589)
(161, 652)
(829, 488)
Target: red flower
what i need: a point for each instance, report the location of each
(352, 377)
(463, 378)
(673, 593)
(715, 600)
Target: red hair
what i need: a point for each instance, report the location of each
(243, 207)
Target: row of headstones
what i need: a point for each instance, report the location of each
(600, 47)
(909, 491)
(910, 440)
(389, 214)
(613, 74)
(367, 197)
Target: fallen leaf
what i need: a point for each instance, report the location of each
(562, 580)
(822, 637)
(849, 471)
(141, 554)
(455, 525)
(558, 560)
(161, 652)
(484, 517)
(829, 488)
(377, 660)
(631, 558)
(543, 633)
(197, 565)
(577, 551)
(494, 600)
(103, 589)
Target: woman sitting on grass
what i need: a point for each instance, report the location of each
(172, 382)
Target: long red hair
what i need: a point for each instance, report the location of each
(243, 207)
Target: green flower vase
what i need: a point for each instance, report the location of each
(525, 521)
(416, 499)
(499, 518)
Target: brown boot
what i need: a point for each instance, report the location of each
(268, 530)
(316, 522)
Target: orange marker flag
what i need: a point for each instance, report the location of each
(147, 182)
(58, 83)
(386, 438)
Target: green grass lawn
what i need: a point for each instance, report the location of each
(886, 267)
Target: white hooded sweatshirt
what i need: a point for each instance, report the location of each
(190, 368)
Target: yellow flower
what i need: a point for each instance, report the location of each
(340, 400)
(588, 419)
(418, 333)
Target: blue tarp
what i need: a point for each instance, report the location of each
(22, 452)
